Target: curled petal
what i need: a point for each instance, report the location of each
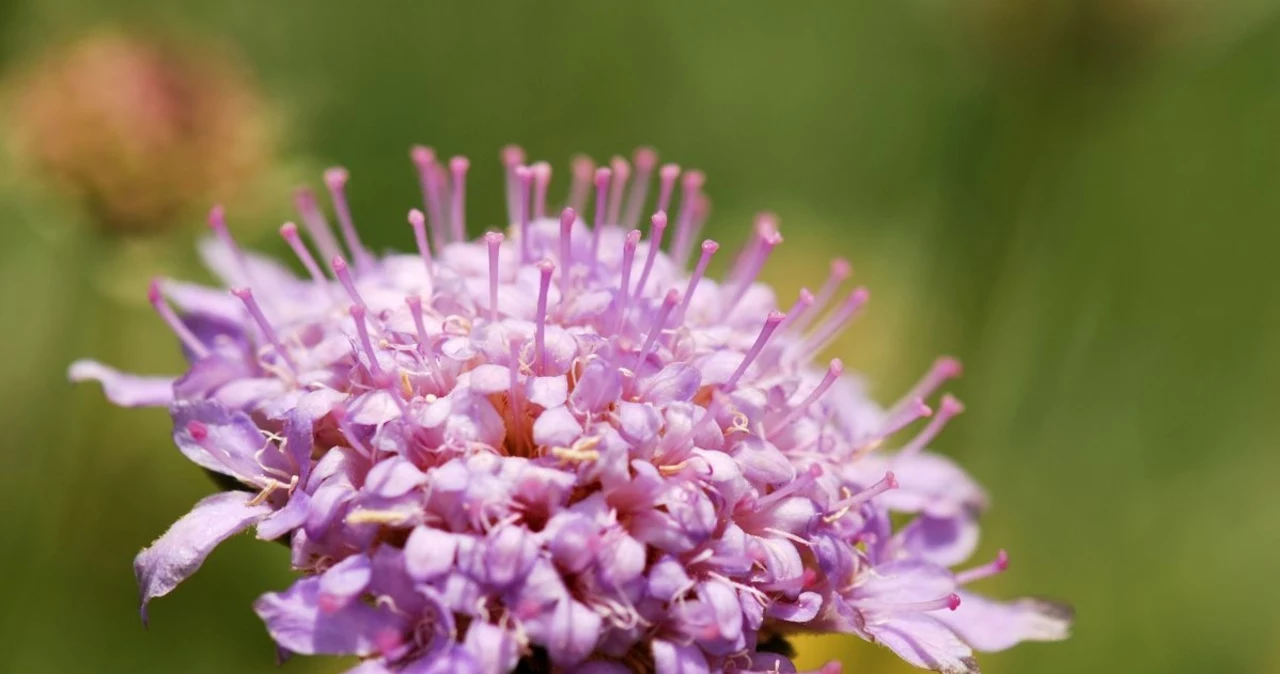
(125, 390)
(994, 626)
(182, 549)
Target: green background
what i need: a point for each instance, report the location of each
(1076, 197)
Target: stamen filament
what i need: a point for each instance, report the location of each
(658, 225)
(567, 218)
(645, 160)
(667, 177)
(833, 372)
(840, 270)
(995, 567)
(603, 176)
(336, 180)
(621, 174)
(418, 221)
(624, 286)
(494, 241)
(580, 186)
(771, 324)
(343, 274)
(668, 303)
(709, 249)
(358, 315)
(458, 219)
(512, 156)
(188, 338)
(686, 224)
(246, 296)
(289, 232)
(943, 369)
(524, 178)
(947, 409)
(541, 181)
(317, 226)
(546, 268)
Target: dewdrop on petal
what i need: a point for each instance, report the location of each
(559, 448)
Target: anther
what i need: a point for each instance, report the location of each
(188, 338)
(246, 296)
(336, 180)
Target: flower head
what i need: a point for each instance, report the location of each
(560, 446)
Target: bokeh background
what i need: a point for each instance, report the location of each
(1076, 197)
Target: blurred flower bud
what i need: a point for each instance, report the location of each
(142, 133)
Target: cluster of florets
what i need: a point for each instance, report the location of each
(558, 450)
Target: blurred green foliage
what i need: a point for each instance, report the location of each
(1077, 197)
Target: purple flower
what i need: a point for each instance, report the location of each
(562, 446)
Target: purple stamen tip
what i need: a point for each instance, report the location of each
(603, 176)
(336, 177)
(645, 159)
(218, 218)
(512, 155)
(422, 156)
